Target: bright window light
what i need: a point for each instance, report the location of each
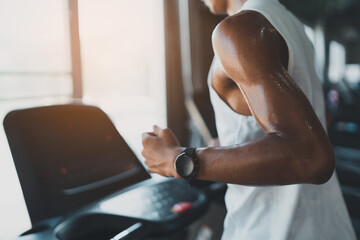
(336, 62)
(35, 68)
(352, 74)
(123, 64)
(122, 49)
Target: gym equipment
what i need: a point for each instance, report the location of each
(81, 180)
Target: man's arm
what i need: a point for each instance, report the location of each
(295, 149)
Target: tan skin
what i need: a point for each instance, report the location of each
(249, 74)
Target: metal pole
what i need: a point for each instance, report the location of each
(186, 63)
(75, 49)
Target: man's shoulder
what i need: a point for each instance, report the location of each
(245, 39)
(246, 29)
(248, 21)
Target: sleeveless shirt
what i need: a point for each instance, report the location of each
(298, 211)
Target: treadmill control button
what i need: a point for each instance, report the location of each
(181, 207)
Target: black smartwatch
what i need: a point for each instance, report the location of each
(186, 164)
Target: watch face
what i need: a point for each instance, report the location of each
(184, 165)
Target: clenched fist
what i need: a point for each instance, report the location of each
(161, 148)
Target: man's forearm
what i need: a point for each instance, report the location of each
(271, 160)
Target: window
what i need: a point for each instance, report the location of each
(123, 69)
(339, 69)
(336, 62)
(35, 69)
(123, 61)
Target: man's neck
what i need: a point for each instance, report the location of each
(233, 6)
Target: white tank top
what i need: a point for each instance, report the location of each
(295, 212)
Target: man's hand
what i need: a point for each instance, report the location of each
(161, 147)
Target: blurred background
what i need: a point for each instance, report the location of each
(146, 62)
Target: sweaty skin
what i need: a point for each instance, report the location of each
(249, 74)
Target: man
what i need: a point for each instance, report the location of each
(269, 109)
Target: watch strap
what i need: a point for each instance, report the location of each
(190, 151)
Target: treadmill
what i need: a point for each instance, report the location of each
(80, 179)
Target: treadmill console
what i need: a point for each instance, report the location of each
(68, 156)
